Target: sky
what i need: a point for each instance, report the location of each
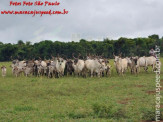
(87, 19)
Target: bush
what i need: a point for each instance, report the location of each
(108, 111)
(148, 114)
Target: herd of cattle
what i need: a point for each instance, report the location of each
(91, 66)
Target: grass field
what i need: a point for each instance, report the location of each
(113, 99)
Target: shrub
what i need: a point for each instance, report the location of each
(148, 114)
(108, 111)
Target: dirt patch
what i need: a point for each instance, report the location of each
(138, 86)
(150, 92)
(125, 101)
(161, 81)
(161, 106)
(161, 88)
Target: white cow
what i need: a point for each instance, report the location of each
(121, 65)
(27, 71)
(78, 66)
(60, 66)
(22, 64)
(17, 67)
(19, 63)
(44, 67)
(93, 66)
(151, 61)
(39, 70)
(145, 62)
(129, 63)
(17, 70)
(43, 64)
(141, 63)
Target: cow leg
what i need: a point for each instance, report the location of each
(98, 74)
(38, 74)
(58, 74)
(122, 72)
(153, 67)
(49, 75)
(102, 74)
(117, 70)
(91, 73)
(146, 68)
(138, 69)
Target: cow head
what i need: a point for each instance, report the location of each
(60, 61)
(76, 61)
(3, 67)
(134, 60)
(69, 64)
(116, 58)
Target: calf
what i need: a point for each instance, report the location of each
(108, 70)
(4, 70)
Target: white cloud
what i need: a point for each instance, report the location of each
(91, 19)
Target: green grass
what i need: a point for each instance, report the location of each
(116, 98)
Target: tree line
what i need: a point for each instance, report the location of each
(47, 48)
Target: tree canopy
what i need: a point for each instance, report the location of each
(47, 48)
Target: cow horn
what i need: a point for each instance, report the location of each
(79, 55)
(73, 55)
(113, 54)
